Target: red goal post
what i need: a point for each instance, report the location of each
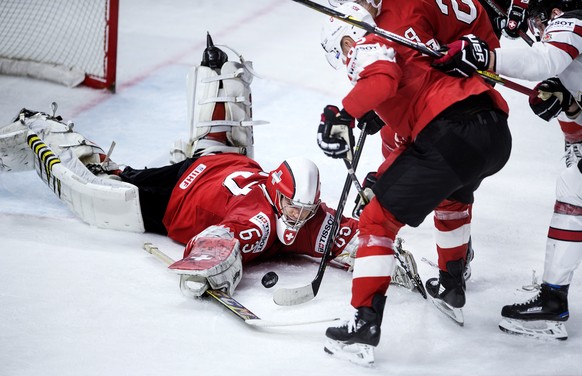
(71, 42)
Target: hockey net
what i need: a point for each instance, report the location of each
(71, 42)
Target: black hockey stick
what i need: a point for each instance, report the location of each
(352, 175)
(503, 13)
(293, 296)
(421, 47)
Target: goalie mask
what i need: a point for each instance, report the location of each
(334, 30)
(293, 189)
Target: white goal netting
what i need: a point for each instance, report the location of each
(66, 41)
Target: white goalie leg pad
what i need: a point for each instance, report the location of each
(239, 110)
(213, 262)
(104, 203)
(60, 136)
(229, 87)
(200, 88)
(180, 151)
(15, 155)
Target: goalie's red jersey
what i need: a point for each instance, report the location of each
(228, 190)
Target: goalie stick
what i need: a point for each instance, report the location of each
(232, 304)
(420, 47)
(298, 295)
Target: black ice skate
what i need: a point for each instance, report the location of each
(541, 317)
(448, 291)
(356, 339)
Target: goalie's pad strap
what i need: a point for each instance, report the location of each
(236, 74)
(229, 123)
(239, 99)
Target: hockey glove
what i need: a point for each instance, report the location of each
(515, 20)
(464, 56)
(335, 133)
(550, 98)
(372, 122)
(499, 24)
(369, 181)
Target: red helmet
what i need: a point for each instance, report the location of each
(293, 189)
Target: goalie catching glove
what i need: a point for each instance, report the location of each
(550, 97)
(212, 260)
(463, 57)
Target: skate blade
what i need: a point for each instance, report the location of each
(456, 314)
(539, 329)
(357, 353)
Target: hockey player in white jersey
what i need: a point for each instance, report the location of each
(556, 60)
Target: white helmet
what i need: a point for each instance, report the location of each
(293, 189)
(376, 4)
(334, 30)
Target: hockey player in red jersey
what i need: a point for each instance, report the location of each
(455, 134)
(557, 56)
(435, 25)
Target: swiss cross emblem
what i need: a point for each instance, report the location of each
(276, 177)
(290, 236)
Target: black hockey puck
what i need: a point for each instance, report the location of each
(270, 279)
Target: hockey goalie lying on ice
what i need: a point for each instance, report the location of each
(220, 195)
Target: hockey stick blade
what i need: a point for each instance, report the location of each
(271, 324)
(294, 296)
(420, 47)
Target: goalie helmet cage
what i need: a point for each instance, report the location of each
(71, 42)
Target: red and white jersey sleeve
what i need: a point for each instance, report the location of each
(223, 190)
(406, 94)
(558, 54)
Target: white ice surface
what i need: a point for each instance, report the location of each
(76, 300)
